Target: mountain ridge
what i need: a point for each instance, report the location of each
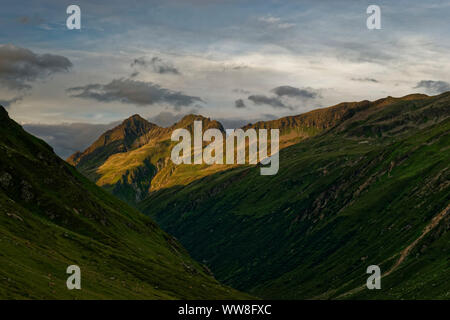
(143, 166)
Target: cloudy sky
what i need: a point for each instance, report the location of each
(230, 60)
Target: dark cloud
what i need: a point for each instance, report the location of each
(274, 102)
(157, 64)
(233, 123)
(239, 123)
(239, 103)
(240, 67)
(234, 67)
(166, 118)
(293, 92)
(20, 66)
(139, 93)
(434, 86)
(365, 80)
(134, 74)
(67, 139)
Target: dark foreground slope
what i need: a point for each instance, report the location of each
(372, 190)
(52, 217)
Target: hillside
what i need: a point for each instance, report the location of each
(52, 217)
(372, 187)
(131, 163)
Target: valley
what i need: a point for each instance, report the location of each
(361, 183)
(52, 217)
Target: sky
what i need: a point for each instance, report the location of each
(235, 61)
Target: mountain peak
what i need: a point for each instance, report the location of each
(192, 117)
(118, 139)
(188, 120)
(135, 118)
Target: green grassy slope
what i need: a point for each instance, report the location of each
(355, 195)
(52, 217)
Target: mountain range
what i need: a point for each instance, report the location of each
(360, 183)
(133, 159)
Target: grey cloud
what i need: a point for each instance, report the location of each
(139, 93)
(239, 104)
(157, 64)
(239, 123)
(166, 118)
(434, 86)
(274, 102)
(7, 103)
(241, 91)
(134, 74)
(234, 67)
(269, 116)
(293, 92)
(20, 66)
(362, 52)
(365, 80)
(233, 123)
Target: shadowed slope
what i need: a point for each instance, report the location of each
(355, 195)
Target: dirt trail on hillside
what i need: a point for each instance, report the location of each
(434, 222)
(405, 252)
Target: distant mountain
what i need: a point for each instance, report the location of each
(121, 138)
(134, 158)
(52, 217)
(370, 186)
